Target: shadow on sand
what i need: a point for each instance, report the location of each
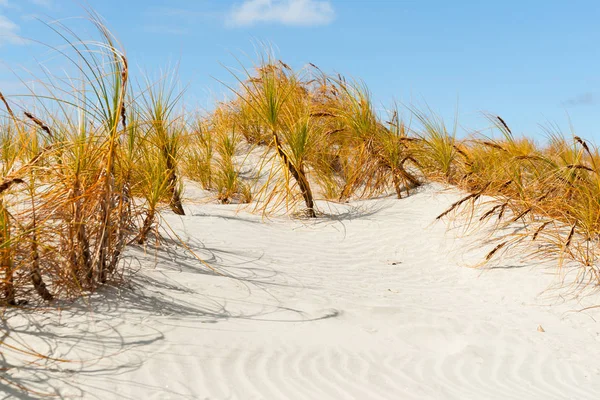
(58, 351)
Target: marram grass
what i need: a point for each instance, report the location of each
(87, 168)
(88, 164)
(335, 146)
(85, 171)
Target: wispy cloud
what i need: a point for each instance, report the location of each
(286, 12)
(584, 99)
(11, 5)
(9, 31)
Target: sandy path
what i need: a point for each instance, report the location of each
(374, 304)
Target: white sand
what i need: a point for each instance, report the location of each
(376, 302)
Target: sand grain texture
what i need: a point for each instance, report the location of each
(373, 302)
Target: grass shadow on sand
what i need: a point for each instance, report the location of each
(108, 333)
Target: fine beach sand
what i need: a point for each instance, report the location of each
(374, 300)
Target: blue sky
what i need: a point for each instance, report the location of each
(531, 62)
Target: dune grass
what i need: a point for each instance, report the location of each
(77, 156)
(87, 165)
(328, 135)
(552, 192)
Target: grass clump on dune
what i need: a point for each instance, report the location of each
(77, 157)
(87, 164)
(553, 192)
(87, 167)
(331, 141)
(325, 133)
(66, 226)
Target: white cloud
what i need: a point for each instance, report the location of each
(286, 12)
(9, 31)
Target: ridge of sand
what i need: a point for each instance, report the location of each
(373, 302)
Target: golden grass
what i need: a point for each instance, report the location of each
(552, 191)
(75, 161)
(329, 138)
(87, 168)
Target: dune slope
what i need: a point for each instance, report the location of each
(374, 301)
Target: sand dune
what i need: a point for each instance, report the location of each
(372, 301)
